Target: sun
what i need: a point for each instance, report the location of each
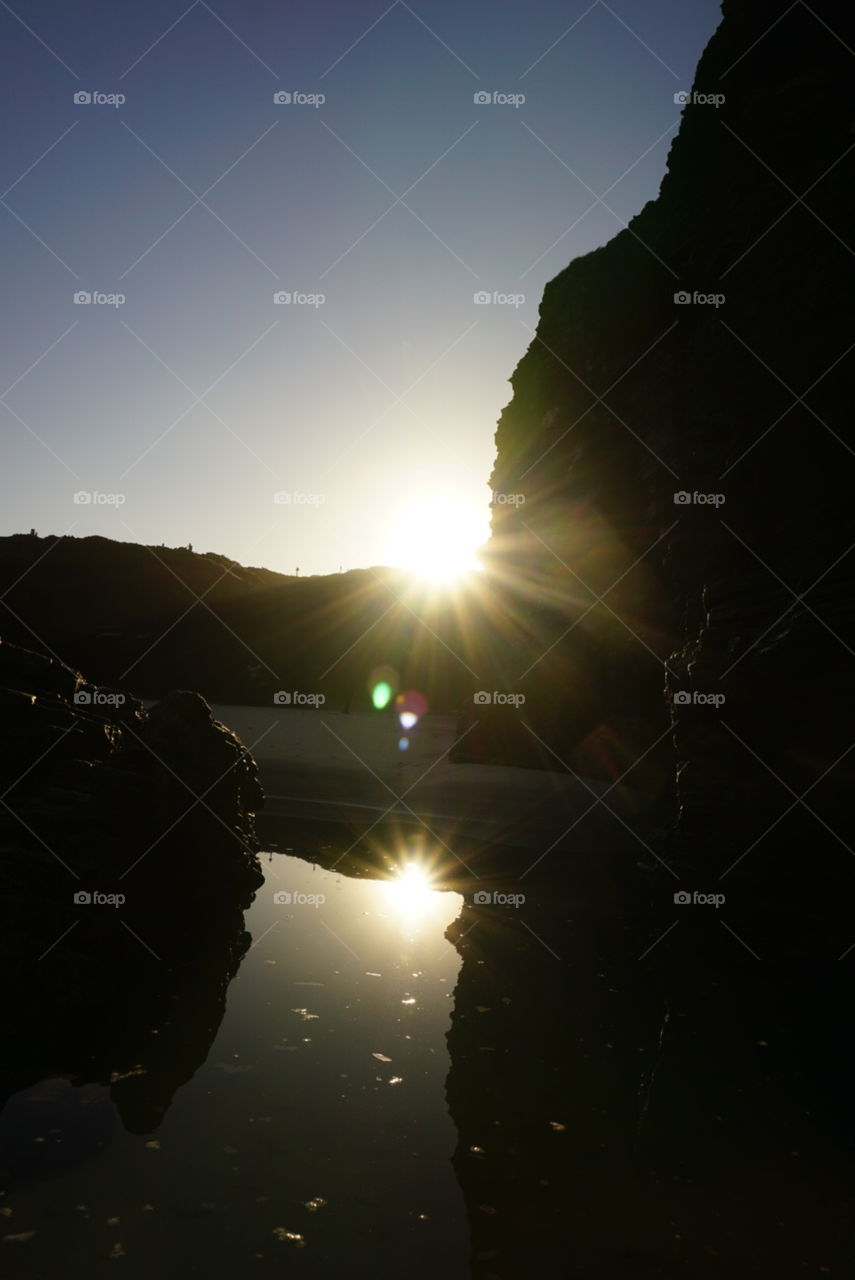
(437, 538)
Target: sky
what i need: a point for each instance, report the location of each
(183, 403)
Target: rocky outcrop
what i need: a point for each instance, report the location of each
(680, 434)
(89, 769)
(128, 851)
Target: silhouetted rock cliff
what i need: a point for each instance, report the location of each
(680, 432)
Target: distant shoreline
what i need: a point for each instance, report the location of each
(344, 772)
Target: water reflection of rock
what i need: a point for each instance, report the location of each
(140, 1029)
(193, 1008)
(685, 1114)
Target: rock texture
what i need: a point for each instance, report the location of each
(728, 621)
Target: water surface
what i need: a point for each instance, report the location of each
(314, 1135)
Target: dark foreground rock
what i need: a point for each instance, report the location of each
(128, 856)
(90, 769)
(646, 1099)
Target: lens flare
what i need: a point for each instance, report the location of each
(382, 684)
(381, 695)
(412, 701)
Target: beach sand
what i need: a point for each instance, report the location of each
(321, 766)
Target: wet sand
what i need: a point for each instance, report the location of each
(328, 766)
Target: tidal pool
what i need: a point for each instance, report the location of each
(315, 1135)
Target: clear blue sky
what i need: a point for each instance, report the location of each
(103, 399)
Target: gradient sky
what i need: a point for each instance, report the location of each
(298, 398)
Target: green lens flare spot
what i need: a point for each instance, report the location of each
(381, 695)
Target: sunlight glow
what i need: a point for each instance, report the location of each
(410, 892)
(437, 538)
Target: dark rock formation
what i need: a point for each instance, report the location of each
(641, 604)
(128, 856)
(88, 768)
(623, 1113)
(643, 1087)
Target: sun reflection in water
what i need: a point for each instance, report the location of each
(411, 896)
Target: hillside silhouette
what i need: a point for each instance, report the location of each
(154, 619)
